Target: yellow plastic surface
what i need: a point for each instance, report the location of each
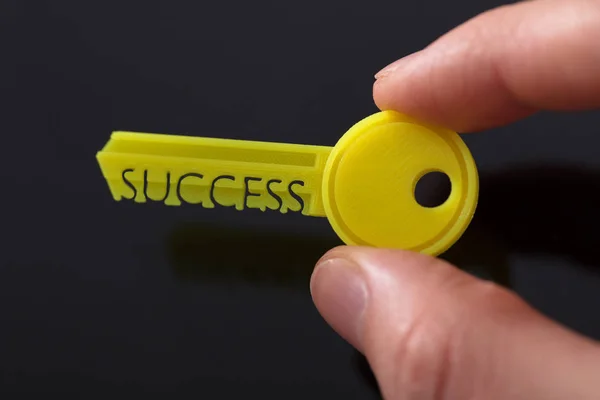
(215, 172)
(364, 185)
(370, 179)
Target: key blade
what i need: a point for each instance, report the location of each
(214, 172)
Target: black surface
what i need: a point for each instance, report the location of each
(103, 298)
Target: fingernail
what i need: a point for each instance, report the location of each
(340, 294)
(387, 71)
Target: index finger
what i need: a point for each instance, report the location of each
(501, 66)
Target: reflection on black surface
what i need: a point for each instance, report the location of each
(211, 253)
(208, 253)
(548, 210)
(543, 210)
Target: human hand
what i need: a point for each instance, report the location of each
(429, 330)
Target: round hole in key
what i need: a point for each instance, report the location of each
(432, 189)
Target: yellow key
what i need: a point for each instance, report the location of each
(365, 184)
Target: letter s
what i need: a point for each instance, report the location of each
(129, 184)
(273, 194)
(295, 195)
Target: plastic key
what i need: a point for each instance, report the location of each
(365, 184)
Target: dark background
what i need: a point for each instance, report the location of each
(101, 298)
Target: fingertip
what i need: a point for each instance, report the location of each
(499, 67)
(342, 249)
(380, 92)
(411, 314)
(346, 278)
(398, 64)
(339, 291)
(450, 85)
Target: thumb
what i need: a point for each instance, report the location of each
(432, 332)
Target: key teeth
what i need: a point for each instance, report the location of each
(205, 205)
(175, 201)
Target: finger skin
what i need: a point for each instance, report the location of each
(432, 332)
(500, 66)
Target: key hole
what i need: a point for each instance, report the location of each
(433, 189)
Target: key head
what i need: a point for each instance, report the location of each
(370, 179)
